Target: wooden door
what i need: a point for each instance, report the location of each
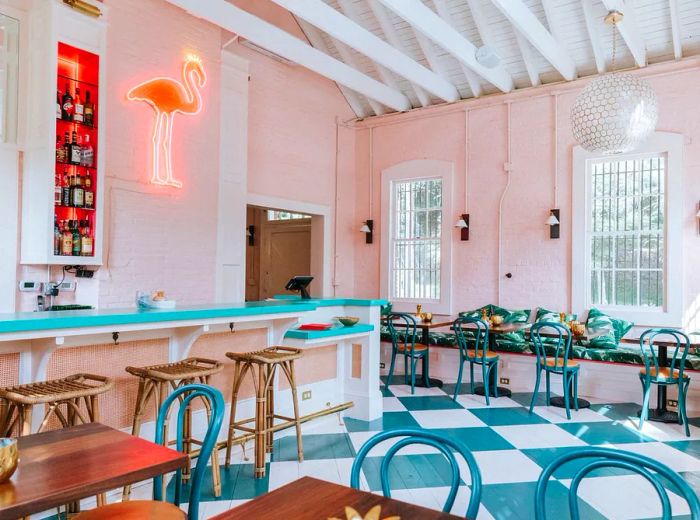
(286, 252)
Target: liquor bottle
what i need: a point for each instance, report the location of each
(89, 110)
(89, 194)
(86, 240)
(66, 146)
(78, 192)
(67, 107)
(78, 107)
(56, 237)
(66, 240)
(87, 154)
(77, 246)
(75, 149)
(65, 190)
(57, 190)
(60, 150)
(58, 104)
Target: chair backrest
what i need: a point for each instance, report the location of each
(402, 328)
(675, 338)
(185, 394)
(443, 444)
(554, 330)
(466, 328)
(613, 458)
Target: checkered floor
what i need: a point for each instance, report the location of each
(510, 445)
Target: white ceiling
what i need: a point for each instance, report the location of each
(648, 20)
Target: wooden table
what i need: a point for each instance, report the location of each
(312, 499)
(63, 466)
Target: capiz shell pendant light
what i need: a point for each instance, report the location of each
(615, 113)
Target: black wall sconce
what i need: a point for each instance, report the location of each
(463, 225)
(251, 235)
(553, 223)
(368, 229)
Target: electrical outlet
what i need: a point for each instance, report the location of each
(382, 365)
(671, 402)
(504, 381)
(306, 395)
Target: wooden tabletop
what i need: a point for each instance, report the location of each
(61, 466)
(312, 499)
(439, 320)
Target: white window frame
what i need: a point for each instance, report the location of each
(411, 171)
(671, 315)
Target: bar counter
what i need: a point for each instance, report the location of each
(36, 336)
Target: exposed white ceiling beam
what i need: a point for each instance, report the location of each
(342, 28)
(347, 56)
(676, 29)
(530, 27)
(423, 19)
(554, 27)
(274, 39)
(629, 30)
(315, 39)
(389, 33)
(528, 57)
(444, 13)
(594, 35)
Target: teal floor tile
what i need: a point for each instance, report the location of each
(449, 388)
(237, 482)
(430, 402)
(618, 411)
(507, 416)
(524, 398)
(322, 446)
(389, 421)
(476, 439)
(410, 471)
(517, 502)
(689, 447)
(604, 433)
(544, 456)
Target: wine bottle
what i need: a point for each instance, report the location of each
(78, 107)
(89, 110)
(78, 192)
(58, 104)
(76, 240)
(67, 107)
(65, 190)
(75, 149)
(66, 240)
(60, 150)
(56, 237)
(57, 191)
(87, 154)
(86, 240)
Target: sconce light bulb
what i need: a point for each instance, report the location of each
(552, 220)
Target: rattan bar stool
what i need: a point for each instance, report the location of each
(155, 382)
(17, 403)
(267, 361)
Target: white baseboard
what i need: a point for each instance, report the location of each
(616, 382)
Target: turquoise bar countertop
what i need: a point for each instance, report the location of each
(35, 321)
(332, 332)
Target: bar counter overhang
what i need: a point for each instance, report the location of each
(36, 335)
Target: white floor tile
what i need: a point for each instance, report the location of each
(446, 419)
(282, 473)
(675, 459)
(537, 436)
(392, 404)
(405, 391)
(358, 439)
(506, 466)
(555, 414)
(209, 509)
(664, 431)
(479, 401)
(626, 497)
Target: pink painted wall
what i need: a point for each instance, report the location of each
(166, 238)
(540, 266)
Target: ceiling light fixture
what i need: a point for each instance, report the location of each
(616, 112)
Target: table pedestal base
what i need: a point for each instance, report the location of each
(663, 415)
(502, 391)
(558, 401)
(433, 382)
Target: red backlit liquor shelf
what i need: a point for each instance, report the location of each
(63, 183)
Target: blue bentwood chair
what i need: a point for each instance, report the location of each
(479, 355)
(402, 329)
(558, 364)
(671, 375)
(445, 445)
(157, 508)
(648, 468)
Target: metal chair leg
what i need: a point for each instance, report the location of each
(494, 367)
(458, 386)
(547, 381)
(485, 376)
(565, 377)
(576, 390)
(682, 412)
(537, 389)
(471, 377)
(645, 405)
(391, 367)
(426, 370)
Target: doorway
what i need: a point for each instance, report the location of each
(279, 248)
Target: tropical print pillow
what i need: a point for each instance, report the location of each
(512, 316)
(547, 315)
(605, 331)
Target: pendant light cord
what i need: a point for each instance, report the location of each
(614, 47)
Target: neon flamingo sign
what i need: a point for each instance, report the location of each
(168, 97)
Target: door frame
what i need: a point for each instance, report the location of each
(320, 234)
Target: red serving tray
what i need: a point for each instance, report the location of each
(315, 326)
